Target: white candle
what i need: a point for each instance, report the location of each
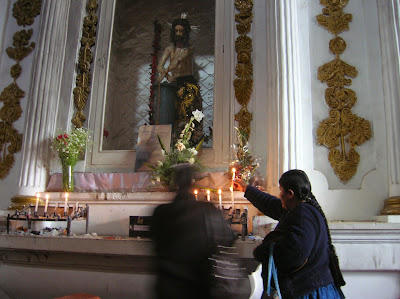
(66, 203)
(37, 202)
(208, 195)
(233, 176)
(233, 199)
(76, 206)
(46, 204)
(195, 193)
(220, 199)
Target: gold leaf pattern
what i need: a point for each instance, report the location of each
(83, 80)
(10, 139)
(333, 19)
(243, 90)
(244, 117)
(244, 69)
(342, 126)
(25, 11)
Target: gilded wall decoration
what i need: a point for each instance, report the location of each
(84, 77)
(343, 130)
(24, 12)
(243, 84)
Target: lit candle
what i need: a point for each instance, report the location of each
(37, 202)
(195, 193)
(220, 199)
(66, 203)
(233, 176)
(208, 195)
(46, 204)
(233, 199)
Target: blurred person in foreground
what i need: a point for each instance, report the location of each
(305, 258)
(182, 246)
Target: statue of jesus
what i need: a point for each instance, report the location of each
(179, 72)
(179, 53)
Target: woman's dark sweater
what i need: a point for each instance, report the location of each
(301, 245)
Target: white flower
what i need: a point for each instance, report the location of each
(180, 146)
(198, 115)
(163, 152)
(193, 151)
(159, 163)
(158, 179)
(191, 161)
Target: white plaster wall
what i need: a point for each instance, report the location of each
(8, 26)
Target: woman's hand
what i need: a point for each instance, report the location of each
(239, 184)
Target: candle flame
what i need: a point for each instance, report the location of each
(208, 192)
(233, 170)
(66, 194)
(195, 191)
(47, 196)
(219, 191)
(230, 188)
(37, 195)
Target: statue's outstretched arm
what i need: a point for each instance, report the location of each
(160, 68)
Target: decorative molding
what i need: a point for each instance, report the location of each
(244, 68)
(343, 129)
(84, 78)
(24, 12)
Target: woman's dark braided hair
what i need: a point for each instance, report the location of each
(297, 181)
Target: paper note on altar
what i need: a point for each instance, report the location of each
(149, 148)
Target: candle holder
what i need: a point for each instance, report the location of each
(25, 216)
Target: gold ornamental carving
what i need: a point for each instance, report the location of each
(343, 130)
(24, 12)
(84, 77)
(243, 84)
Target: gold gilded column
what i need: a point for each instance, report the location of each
(243, 84)
(84, 77)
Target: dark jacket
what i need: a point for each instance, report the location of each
(183, 247)
(301, 245)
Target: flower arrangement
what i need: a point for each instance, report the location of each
(245, 164)
(69, 146)
(181, 153)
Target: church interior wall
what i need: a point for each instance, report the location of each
(359, 200)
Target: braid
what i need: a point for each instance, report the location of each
(333, 258)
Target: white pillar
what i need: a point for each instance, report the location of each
(44, 96)
(283, 121)
(389, 26)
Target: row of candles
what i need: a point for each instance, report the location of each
(196, 192)
(220, 192)
(47, 203)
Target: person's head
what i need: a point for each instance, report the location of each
(295, 187)
(180, 31)
(183, 177)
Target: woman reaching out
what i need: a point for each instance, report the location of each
(305, 258)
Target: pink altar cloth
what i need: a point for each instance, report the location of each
(130, 182)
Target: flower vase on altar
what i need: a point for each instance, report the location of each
(69, 146)
(67, 176)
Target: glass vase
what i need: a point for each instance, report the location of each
(67, 177)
